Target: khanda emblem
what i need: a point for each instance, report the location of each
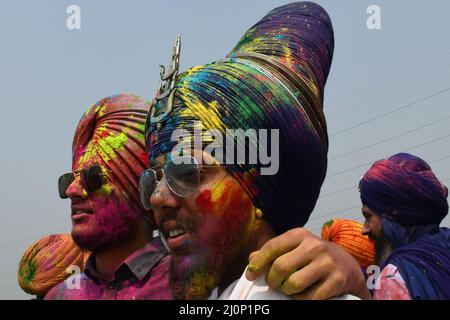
(166, 90)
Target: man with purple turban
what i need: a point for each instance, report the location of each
(403, 205)
(107, 216)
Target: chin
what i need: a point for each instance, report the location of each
(193, 277)
(95, 241)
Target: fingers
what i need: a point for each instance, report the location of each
(252, 255)
(284, 266)
(310, 292)
(325, 289)
(304, 280)
(312, 249)
(272, 249)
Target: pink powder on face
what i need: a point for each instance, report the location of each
(219, 237)
(113, 220)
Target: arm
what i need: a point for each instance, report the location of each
(301, 264)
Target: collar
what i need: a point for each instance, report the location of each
(137, 265)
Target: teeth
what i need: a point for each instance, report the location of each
(176, 232)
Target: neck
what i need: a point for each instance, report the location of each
(109, 259)
(262, 233)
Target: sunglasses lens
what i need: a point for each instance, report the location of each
(92, 178)
(63, 184)
(183, 176)
(147, 184)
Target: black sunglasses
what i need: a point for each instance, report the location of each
(92, 179)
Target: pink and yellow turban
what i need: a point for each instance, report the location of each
(44, 264)
(115, 128)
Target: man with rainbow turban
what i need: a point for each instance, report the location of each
(404, 204)
(212, 210)
(107, 217)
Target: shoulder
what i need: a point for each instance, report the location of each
(243, 289)
(69, 289)
(390, 285)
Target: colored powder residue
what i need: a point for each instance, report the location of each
(203, 201)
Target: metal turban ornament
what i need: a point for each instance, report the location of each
(166, 90)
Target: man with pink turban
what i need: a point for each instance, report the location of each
(107, 217)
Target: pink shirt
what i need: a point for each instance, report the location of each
(390, 285)
(144, 275)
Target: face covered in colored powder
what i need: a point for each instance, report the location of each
(208, 233)
(102, 218)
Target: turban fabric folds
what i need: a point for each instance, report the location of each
(405, 190)
(273, 79)
(347, 234)
(411, 203)
(44, 264)
(114, 130)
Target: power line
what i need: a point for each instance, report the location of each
(390, 112)
(334, 212)
(393, 77)
(10, 272)
(370, 162)
(391, 138)
(31, 238)
(351, 208)
(354, 187)
(9, 265)
(396, 88)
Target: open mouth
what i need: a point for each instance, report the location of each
(175, 233)
(80, 212)
(177, 238)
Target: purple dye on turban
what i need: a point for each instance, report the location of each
(412, 202)
(274, 78)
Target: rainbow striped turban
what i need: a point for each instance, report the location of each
(45, 263)
(347, 234)
(273, 79)
(405, 192)
(115, 128)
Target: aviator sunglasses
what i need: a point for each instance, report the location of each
(181, 174)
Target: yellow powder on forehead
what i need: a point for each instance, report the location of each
(104, 147)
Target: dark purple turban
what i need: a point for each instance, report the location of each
(412, 202)
(405, 190)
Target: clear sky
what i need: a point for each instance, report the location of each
(386, 92)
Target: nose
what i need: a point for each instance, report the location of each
(163, 198)
(365, 231)
(76, 190)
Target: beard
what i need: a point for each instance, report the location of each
(194, 277)
(383, 248)
(111, 225)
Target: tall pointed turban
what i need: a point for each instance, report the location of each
(274, 78)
